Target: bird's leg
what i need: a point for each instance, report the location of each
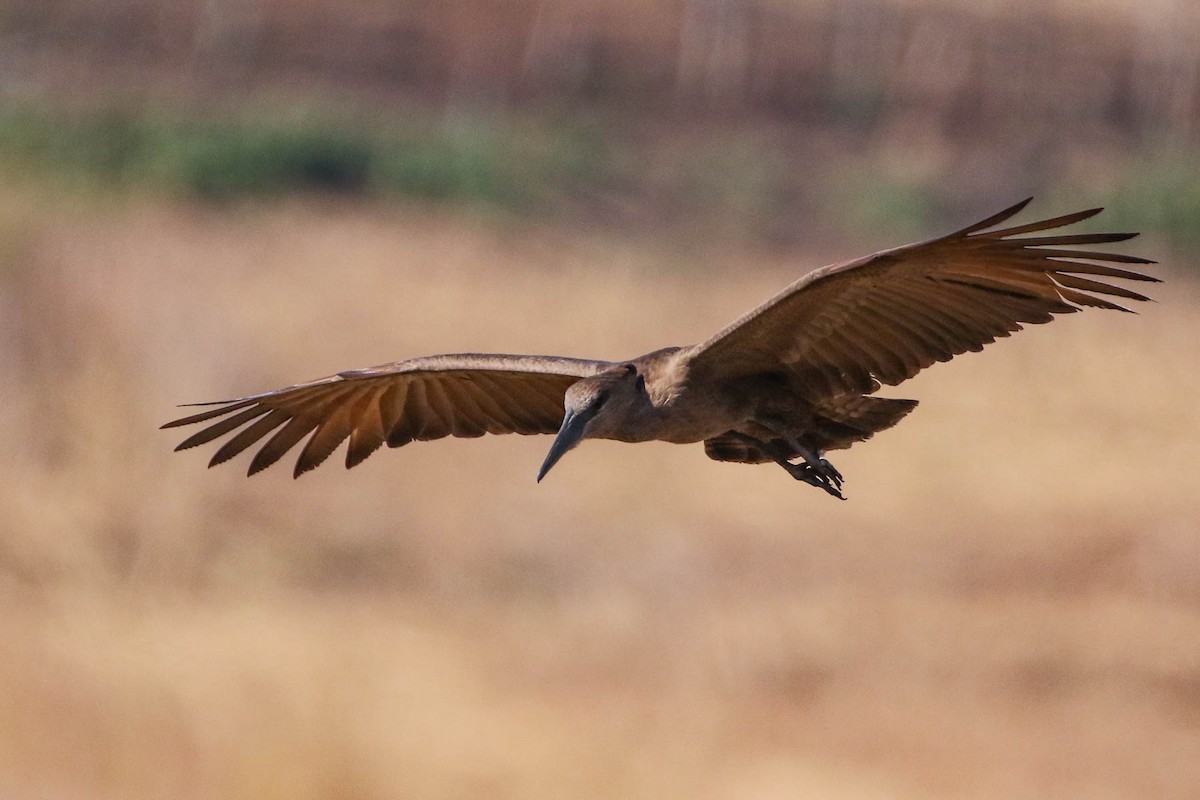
(812, 458)
(802, 472)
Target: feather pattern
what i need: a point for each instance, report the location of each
(791, 378)
(885, 317)
(424, 398)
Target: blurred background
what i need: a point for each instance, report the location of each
(202, 199)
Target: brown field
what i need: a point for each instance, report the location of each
(1007, 606)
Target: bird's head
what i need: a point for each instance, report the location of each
(594, 406)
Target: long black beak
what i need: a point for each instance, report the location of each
(568, 436)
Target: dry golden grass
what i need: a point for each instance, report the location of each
(1008, 605)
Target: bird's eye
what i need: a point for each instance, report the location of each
(600, 400)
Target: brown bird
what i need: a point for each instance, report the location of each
(787, 382)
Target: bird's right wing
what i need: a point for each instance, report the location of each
(423, 398)
(845, 328)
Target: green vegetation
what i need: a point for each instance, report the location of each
(876, 200)
(458, 160)
(1161, 193)
(714, 178)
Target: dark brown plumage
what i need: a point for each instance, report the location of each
(788, 381)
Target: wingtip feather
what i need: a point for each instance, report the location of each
(228, 407)
(995, 219)
(302, 468)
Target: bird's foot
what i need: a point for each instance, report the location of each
(829, 471)
(823, 476)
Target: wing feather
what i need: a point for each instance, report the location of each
(871, 338)
(368, 433)
(424, 398)
(1071, 238)
(332, 430)
(839, 365)
(1085, 299)
(1088, 255)
(887, 316)
(524, 420)
(284, 439)
(1086, 284)
(995, 219)
(248, 436)
(443, 411)
(429, 425)
(469, 420)
(941, 330)
(203, 416)
(935, 336)
(913, 342)
(1030, 227)
(221, 428)
(411, 419)
(496, 419)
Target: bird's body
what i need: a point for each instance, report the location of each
(787, 382)
(669, 407)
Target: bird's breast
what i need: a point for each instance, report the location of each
(680, 418)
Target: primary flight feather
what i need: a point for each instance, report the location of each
(787, 382)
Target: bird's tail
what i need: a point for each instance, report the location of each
(835, 425)
(842, 421)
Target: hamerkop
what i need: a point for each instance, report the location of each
(787, 382)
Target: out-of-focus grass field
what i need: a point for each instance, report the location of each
(1007, 606)
(201, 199)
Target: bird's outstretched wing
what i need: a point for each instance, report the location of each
(423, 398)
(846, 327)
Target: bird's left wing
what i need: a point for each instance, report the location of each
(423, 398)
(844, 328)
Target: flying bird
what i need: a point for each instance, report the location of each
(792, 379)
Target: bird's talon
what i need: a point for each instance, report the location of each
(816, 477)
(836, 491)
(831, 471)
